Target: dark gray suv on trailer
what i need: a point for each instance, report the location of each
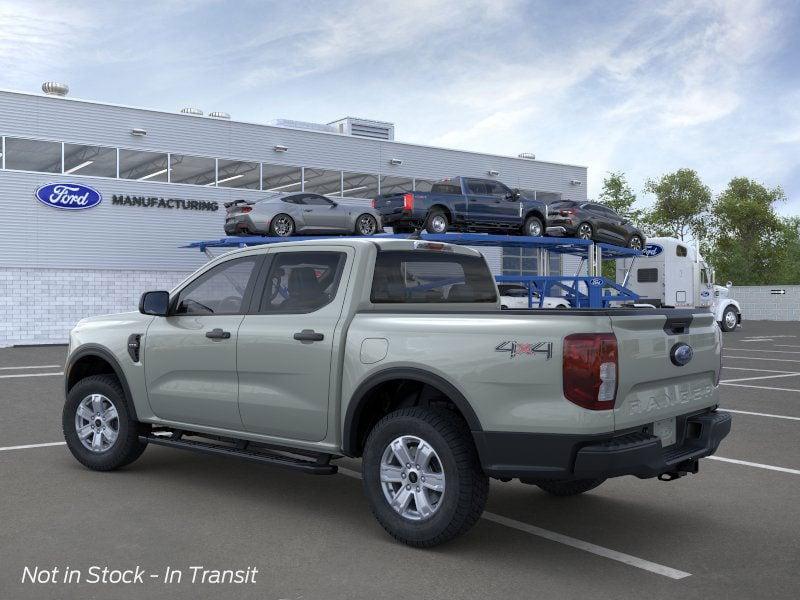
(592, 221)
(286, 214)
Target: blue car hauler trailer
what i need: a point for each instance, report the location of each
(582, 291)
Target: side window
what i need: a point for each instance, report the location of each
(315, 200)
(218, 291)
(703, 276)
(647, 275)
(446, 186)
(301, 282)
(681, 251)
(431, 277)
(477, 187)
(295, 199)
(496, 188)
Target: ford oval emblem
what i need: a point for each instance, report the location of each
(595, 282)
(68, 196)
(681, 354)
(652, 250)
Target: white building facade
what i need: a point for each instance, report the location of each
(162, 179)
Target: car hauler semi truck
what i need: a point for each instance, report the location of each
(670, 272)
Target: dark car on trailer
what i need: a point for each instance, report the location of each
(464, 204)
(593, 221)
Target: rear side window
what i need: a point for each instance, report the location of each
(423, 277)
(301, 282)
(647, 275)
(446, 186)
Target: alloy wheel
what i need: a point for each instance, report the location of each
(97, 423)
(730, 319)
(366, 225)
(412, 478)
(534, 228)
(282, 226)
(585, 231)
(636, 243)
(439, 224)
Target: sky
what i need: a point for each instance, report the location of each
(639, 87)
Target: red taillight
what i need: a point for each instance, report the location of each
(246, 209)
(408, 201)
(566, 213)
(590, 370)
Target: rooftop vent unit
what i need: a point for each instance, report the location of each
(52, 88)
(303, 125)
(527, 155)
(376, 130)
(219, 115)
(192, 111)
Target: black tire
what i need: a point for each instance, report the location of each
(723, 325)
(532, 225)
(466, 485)
(274, 232)
(581, 235)
(636, 242)
(126, 448)
(432, 220)
(359, 229)
(568, 488)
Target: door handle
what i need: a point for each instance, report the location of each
(308, 335)
(308, 210)
(218, 334)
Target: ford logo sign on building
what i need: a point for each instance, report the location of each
(68, 196)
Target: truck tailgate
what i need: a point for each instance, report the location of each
(652, 388)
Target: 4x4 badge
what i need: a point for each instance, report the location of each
(515, 348)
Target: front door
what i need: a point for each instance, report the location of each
(190, 356)
(323, 214)
(285, 347)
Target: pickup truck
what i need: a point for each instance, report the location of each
(464, 204)
(296, 354)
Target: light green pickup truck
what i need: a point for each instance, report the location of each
(299, 353)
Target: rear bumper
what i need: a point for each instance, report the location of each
(557, 456)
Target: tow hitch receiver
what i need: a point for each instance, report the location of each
(686, 468)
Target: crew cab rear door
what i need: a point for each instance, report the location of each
(653, 387)
(285, 345)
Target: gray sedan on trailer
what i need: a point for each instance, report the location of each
(287, 214)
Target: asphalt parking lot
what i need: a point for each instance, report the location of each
(732, 531)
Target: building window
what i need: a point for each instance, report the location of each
(144, 166)
(423, 185)
(359, 185)
(97, 161)
(196, 170)
(396, 185)
(237, 174)
(322, 181)
(33, 155)
(280, 178)
(520, 261)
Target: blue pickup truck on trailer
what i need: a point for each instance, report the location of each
(464, 204)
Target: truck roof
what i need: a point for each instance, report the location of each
(356, 242)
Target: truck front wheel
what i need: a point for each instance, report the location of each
(729, 319)
(422, 476)
(98, 426)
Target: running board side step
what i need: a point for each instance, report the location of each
(320, 466)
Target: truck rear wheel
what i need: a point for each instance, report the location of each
(568, 488)
(437, 221)
(422, 476)
(98, 426)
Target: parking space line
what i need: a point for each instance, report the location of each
(553, 536)
(759, 377)
(45, 445)
(31, 375)
(769, 359)
(756, 414)
(759, 387)
(31, 367)
(758, 465)
(752, 369)
(754, 350)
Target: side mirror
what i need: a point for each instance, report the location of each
(729, 285)
(334, 204)
(154, 303)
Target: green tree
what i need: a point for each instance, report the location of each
(751, 244)
(681, 206)
(618, 196)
